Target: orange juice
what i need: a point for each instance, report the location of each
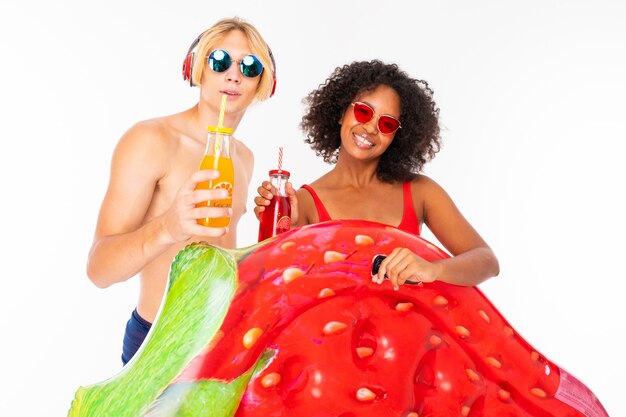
(217, 157)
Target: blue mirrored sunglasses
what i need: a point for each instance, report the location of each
(250, 66)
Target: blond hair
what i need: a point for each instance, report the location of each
(259, 48)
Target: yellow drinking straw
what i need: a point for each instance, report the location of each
(220, 124)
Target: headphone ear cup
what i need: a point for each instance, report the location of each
(273, 71)
(273, 88)
(187, 68)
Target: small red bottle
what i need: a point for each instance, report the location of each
(276, 218)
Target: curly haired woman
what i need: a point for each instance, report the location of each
(379, 127)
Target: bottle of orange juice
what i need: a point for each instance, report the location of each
(217, 156)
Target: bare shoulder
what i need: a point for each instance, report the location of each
(304, 196)
(422, 180)
(156, 134)
(423, 185)
(146, 146)
(430, 198)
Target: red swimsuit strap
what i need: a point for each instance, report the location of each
(410, 223)
(321, 210)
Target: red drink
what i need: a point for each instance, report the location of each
(276, 218)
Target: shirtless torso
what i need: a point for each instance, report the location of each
(160, 155)
(185, 153)
(150, 209)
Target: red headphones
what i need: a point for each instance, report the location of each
(188, 64)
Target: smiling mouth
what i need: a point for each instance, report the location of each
(361, 142)
(230, 93)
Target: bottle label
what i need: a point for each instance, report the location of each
(283, 224)
(575, 394)
(226, 203)
(226, 186)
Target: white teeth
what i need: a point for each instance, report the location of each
(363, 141)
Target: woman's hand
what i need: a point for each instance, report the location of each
(402, 265)
(266, 193)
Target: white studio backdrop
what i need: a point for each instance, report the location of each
(532, 102)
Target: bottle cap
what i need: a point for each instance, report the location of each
(280, 172)
(227, 130)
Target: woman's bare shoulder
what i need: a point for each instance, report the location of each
(304, 195)
(424, 184)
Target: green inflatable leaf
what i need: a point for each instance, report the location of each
(203, 280)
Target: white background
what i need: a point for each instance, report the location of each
(532, 103)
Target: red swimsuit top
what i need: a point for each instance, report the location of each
(409, 222)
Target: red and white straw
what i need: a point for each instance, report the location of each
(280, 157)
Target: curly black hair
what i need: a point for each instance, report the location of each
(414, 144)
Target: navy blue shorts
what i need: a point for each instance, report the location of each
(136, 330)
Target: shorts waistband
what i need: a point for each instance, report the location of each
(143, 322)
